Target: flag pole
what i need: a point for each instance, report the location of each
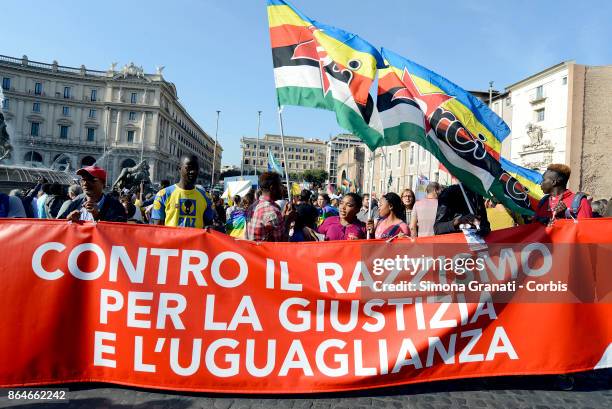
(257, 148)
(466, 199)
(212, 177)
(282, 135)
(371, 188)
(242, 159)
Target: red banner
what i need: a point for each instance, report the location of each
(186, 309)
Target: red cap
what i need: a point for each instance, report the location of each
(93, 171)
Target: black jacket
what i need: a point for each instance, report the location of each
(112, 210)
(451, 204)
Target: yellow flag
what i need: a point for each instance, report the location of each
(295, 189)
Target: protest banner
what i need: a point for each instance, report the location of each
(187, 309)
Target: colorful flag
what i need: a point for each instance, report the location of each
(295, 189)
(528, 178)
(235, 224)
(320, 66)
(273, 165)
(417, 105)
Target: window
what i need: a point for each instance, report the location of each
(66, 92)
(130, 136)
(312, 151)
(34, 128)
(66, 111)
(390, 159)
(540, 92)
(508, 101)
(539, 115)
(133, 98)
(5, 104)
(246, 161)
(564, 81)
(411, 158)
(36, 107)
(132, 116)
(92, 113)
(6, 83)
(399, 158)
(64, 131)
(94, 95)
(38, 88)
(423, 154)
(91, 134)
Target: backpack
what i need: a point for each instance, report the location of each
(570, 212)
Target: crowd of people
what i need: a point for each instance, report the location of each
(268, 214)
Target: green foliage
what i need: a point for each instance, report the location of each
(316, 176)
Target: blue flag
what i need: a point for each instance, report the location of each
(273, 164)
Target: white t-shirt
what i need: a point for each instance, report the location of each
(424, 211)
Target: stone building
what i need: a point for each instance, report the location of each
(64, 116)
(350, 166)
(302, 153)
(335, 146)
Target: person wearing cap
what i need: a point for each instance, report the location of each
(93, 204)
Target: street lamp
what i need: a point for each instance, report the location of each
(212, 177)
(257, 148)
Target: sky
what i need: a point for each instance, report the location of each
(217, 53)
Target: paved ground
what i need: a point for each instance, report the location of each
(592, 390)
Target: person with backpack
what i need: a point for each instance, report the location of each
(559, 202)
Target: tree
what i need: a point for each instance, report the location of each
(294, 176)
(315, 176)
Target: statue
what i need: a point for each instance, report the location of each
(535, 134)
(159, 69)
(132, 70)
(130, 178)
(5, 145)
(113, 66)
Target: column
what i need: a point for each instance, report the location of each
(118, 127)
(142, 134)
(78, 130)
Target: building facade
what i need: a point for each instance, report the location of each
(562, 114)
(350, 167)
(302, 153)
(400, 166)
(64, 116)
(335, 146)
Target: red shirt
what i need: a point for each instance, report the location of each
(584, 211)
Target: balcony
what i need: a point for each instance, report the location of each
(537, 98)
